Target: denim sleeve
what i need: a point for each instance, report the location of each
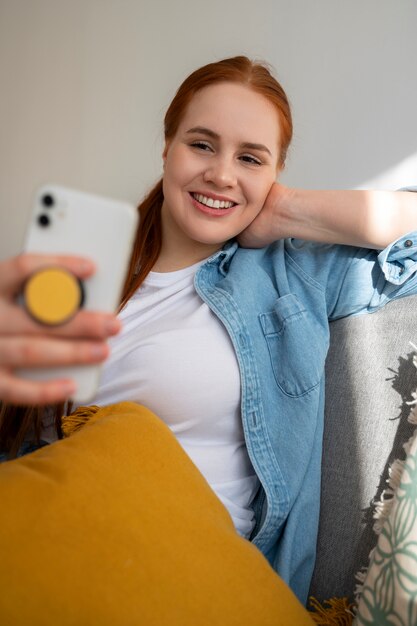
(358, 280)
(398, 260)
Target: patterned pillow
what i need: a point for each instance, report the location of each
(389, 592)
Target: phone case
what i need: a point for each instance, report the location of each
(66, 221)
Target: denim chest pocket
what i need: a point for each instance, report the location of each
(296, 346)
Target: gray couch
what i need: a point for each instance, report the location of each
(369, 378)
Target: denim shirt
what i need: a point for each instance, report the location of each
(276, 303)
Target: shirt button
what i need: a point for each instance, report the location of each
(401, 270)
(408, 243)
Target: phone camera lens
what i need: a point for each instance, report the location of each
(48, 200)
(43, 220)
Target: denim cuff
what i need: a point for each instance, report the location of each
(398, 261)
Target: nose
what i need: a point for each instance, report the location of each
(221, 173)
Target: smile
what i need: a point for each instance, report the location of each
(213, 204)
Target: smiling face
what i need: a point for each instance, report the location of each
(218, 170)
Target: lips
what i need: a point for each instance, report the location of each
(213, 203)
(215, 207)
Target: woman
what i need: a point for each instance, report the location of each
(226, 344)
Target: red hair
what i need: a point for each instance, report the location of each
(15, 422)
(255, 75)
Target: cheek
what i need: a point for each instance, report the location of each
(171, 163)
(254, 208)
(179, 164)
(170, 172)
(260, 192)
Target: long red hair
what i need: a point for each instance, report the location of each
(15, 422)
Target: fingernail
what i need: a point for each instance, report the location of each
(112, 326)
(86, 266)
(69, 388)
(99, 351)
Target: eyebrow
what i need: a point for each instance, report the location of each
(201, 130)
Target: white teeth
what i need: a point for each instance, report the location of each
(215, 204)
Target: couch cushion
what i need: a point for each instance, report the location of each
(369, 379)
(115, 526)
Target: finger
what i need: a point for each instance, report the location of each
(86, 324)
(26, 392)
(14, 272)
(90, 325)
(44, 352)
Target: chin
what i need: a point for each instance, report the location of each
(213, 240)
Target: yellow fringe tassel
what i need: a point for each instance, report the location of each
(78, 419)
(338, 612)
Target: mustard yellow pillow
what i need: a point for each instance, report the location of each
(115, 526)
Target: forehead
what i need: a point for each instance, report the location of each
(234, 111)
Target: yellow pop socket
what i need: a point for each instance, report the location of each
(53, 295)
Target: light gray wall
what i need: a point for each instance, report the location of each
(84, 86)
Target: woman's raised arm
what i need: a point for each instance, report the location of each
(370, 219)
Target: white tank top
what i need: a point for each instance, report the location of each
(176, 358)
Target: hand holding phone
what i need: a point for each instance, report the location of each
(25, 343)
(69, 222)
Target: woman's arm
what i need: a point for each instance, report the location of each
(370, 219)
(25, 343)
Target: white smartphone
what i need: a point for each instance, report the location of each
(66, 221)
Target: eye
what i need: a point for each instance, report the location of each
(201, 145)
(248, 158)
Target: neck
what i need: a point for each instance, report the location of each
(172, 262)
